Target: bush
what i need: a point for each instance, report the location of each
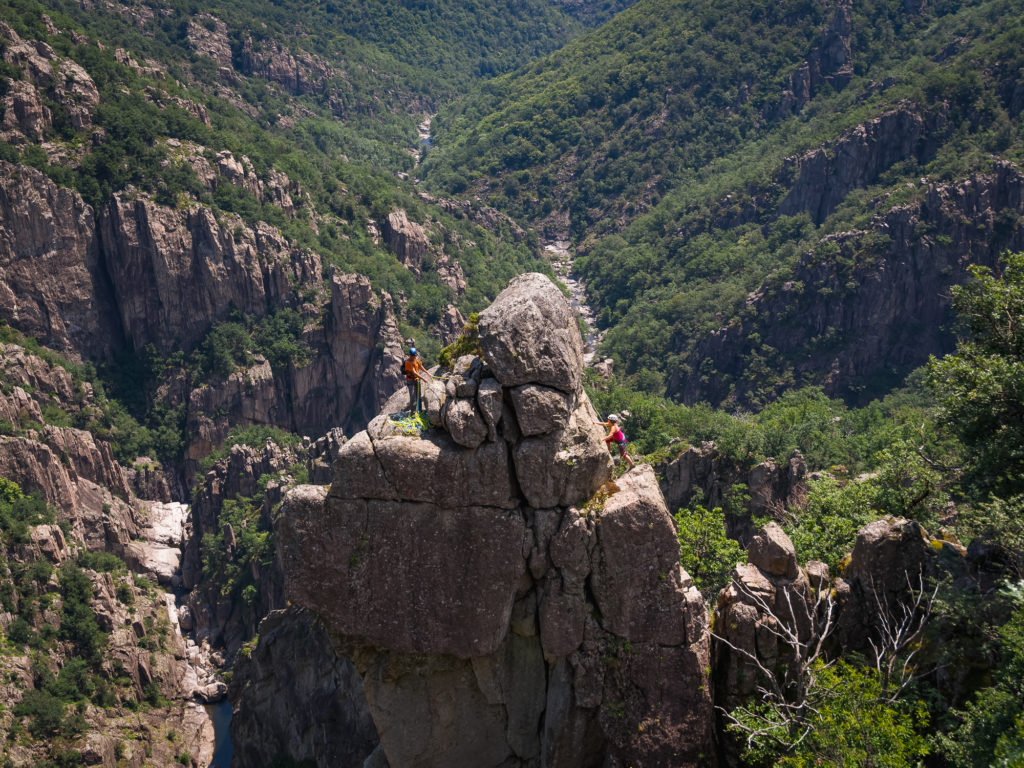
(705, 552)
(78, 624)
(44, 710)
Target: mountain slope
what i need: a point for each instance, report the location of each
(802, 128)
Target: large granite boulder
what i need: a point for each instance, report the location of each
(503, 603)
(529, 335)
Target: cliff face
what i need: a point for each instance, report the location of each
(868, 296)
(52, 284)
(143, 274)
(98, 508)
(503, 601)
(175, 273)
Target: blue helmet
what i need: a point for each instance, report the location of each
(412, 350)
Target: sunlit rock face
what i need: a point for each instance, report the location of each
(504, 601)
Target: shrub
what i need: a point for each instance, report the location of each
(705, 552)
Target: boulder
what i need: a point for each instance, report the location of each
(529, 335)
(540, 410)
(564, 467)
(464, 422)
(772, 552)
(489, 399)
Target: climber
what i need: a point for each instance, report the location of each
(414, 372)
(616, 435)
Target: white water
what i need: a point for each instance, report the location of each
(561, 257)
(423, 129)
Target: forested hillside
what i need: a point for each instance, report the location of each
(799, 227)
(763, 196)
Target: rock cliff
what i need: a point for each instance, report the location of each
(52, 284)
(148, 274)
(771, 486)
(504, 601)
(145, 654)
(866, 296)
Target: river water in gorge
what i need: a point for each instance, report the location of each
(561, 256)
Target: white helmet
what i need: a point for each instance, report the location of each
(613, 417)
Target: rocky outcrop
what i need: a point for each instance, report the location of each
(247, 473)
(299, 72)
(867, 296)
(406, 239)
(64, 81)
(484, 215)
(821, 179)
(25, 115)
(208, 36)
(770, 486)
(772, 603)
(830, 63)
(356, 363)
(175, 273)
(489, 577)
(51, 278)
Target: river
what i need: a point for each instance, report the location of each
(220, 714)
(561, 255)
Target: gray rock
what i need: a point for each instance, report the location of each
(773, 552)
(295, 696)
(489, 400)
(562, 618)
(464, 422)
(431, 713)
(540, 410)
(637, 580)
(410, 576)
(566, 467)
(530, 335)
(432, 468)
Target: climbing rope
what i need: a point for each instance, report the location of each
(409, 424)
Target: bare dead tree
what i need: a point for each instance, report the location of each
(785, 706)
(785, 711)
(900, 625)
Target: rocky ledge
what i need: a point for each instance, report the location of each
(504, 602)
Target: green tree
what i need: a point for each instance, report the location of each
(856, 726)
(980, 389)
(989, 729)
(705, 552)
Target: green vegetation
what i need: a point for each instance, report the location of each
(705, 552)
(242, 538)
(276, 336)
(19, 511)
(980, 389)
(825, 430)
(664, 137)
(468, 343)
(849, 724)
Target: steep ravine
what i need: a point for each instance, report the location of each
(561, 254)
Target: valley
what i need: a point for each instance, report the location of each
(782, 241)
